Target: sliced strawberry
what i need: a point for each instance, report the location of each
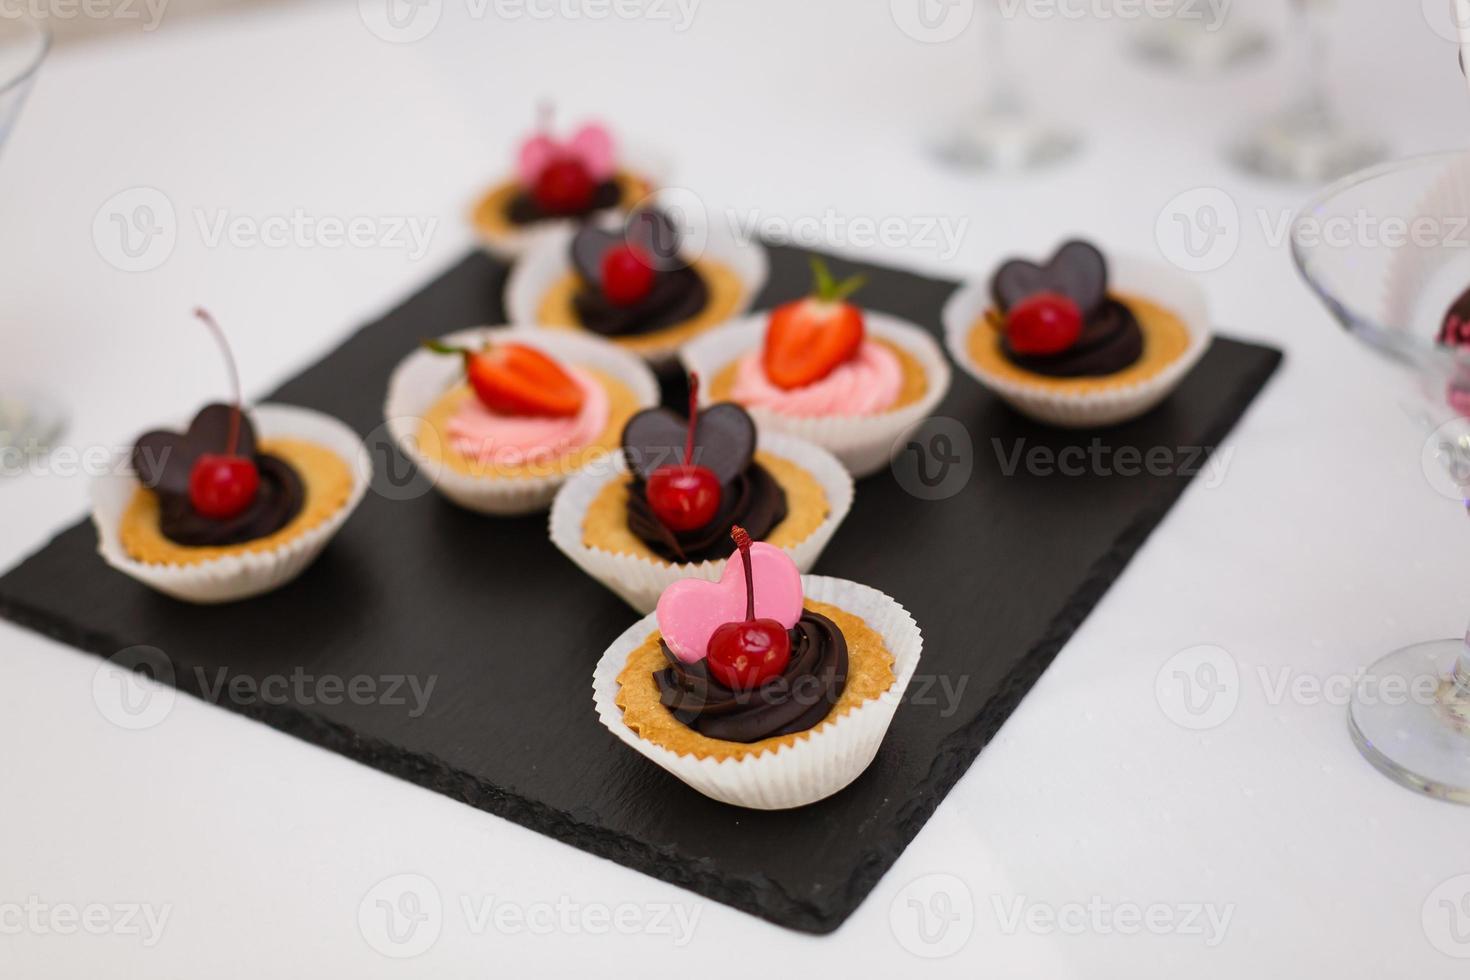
(514, 379)
(807, 339)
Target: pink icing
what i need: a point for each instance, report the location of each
(592, 145)
(511, 440)
(690, 610)
(864, 385)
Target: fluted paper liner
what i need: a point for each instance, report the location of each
(640, 581)
(820, 762)
(423, 377)
(1089, 409)
(865, 444)
(232, 577)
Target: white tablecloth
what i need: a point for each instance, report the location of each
(1093, 837)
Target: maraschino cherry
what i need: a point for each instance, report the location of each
(686, 496)
(746, 654)
(627, 275)
(1044, 323)
(565, 186)
(222, 485)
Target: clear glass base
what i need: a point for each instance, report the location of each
(1193, 46)
(29, 425)
(1001, 137)
(1305, 145)
(1411, 719)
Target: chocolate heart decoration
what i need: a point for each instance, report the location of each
(163, 459)
(650, 231)
(724, 440)
(1077, 271)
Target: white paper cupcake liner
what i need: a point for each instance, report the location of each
(241, 576)
(818, 764)
(1089, 409)
(546, 261)
(640, 581)
(636, 159)
(864, 444)
(423, 377)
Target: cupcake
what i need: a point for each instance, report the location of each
(637, 283)
(498, 418)
(557, 184)
(1075, 343)
(853, 381)
(237, 504)
(763, 689)
(663, 511)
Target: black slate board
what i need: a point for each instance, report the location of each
(998, 576)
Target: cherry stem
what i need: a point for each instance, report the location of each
(742, 541)
(224, 345)
(693, 417)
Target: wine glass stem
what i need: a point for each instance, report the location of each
(1462, 669)
(1312, 59)
(1001, 95)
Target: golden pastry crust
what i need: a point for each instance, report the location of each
(726, 290)
(869, 674)
(434, 444)
(606, 524)
(488, 213)
(325, 475)
(915, 380)
(1165, 339)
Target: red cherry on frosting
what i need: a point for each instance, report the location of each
(627, 275)
(746, 654)
(1045, 323)
(564, 187)
(684, 496)
(222, 485)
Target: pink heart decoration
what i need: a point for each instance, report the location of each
(692, 609)
(592, 145)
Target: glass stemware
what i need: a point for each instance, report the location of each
(1306, 141)
(1388, 252)
(1186, 41)
(28, 422)
(1003, 132)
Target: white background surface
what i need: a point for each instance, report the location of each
(1322, 548)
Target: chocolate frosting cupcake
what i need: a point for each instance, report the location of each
(678, 292)
(163, 461)
(1111, 337)
(795, 701)
(724, 442)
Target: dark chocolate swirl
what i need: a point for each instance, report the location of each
(163, 461)
(1111, 341)
(753, 499)
(796, 701)
(678, 293)
(523, 209)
